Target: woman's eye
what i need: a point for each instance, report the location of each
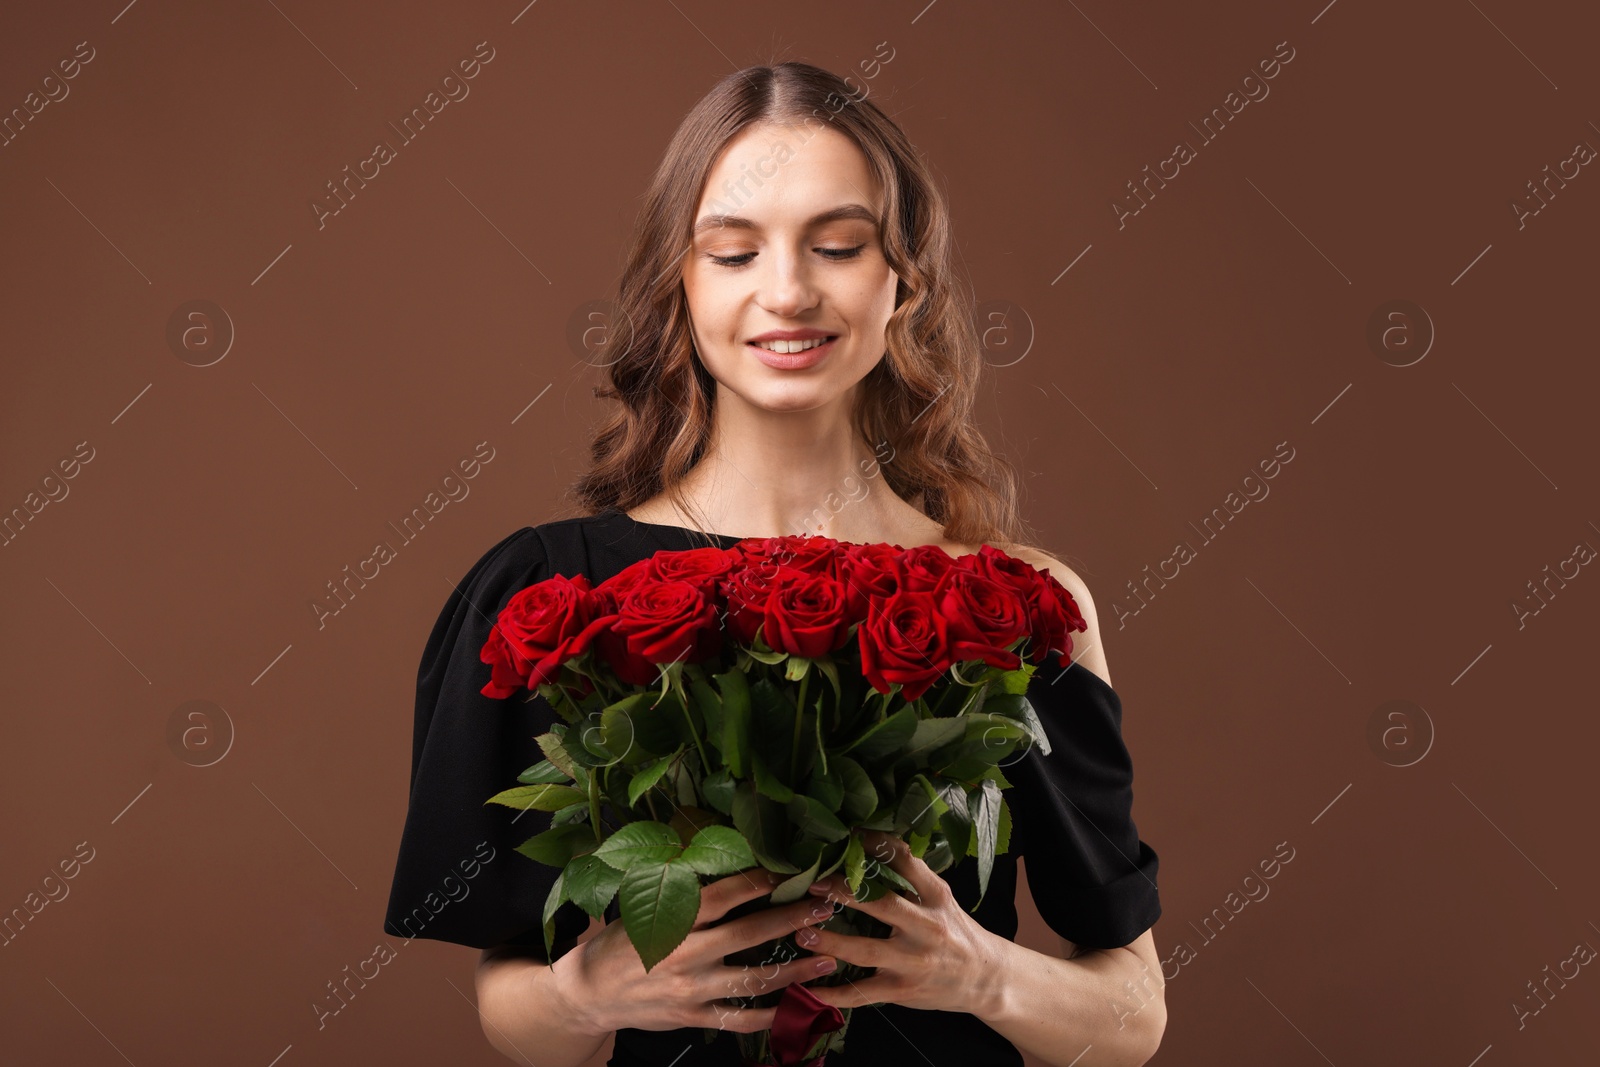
(835, 254)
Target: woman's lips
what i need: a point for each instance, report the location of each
(793, 360)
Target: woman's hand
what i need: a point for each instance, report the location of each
(604, 986)
(938, 956)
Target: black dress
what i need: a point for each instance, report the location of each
(458, 877)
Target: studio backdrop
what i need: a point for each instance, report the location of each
(1288, 315)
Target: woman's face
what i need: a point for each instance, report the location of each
(786, 241)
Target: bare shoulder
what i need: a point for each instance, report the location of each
(1087, 649)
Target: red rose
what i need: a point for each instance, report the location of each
(616, 588)
(758, 564)
(1052, 612)
(539, 629)
(813, 555)
(805, 615)
(704, 567)
(904, 641)
(921, 568)
(747, 592)
(868, 573)
(1053, 617)
(983, 617)
(661, 622)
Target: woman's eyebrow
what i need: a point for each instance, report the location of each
(738, 222)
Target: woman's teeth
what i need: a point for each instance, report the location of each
(790, 347)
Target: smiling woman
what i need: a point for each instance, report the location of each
(794, 319)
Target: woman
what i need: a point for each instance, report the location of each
(796, 360)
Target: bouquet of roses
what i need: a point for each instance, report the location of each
(763, 705)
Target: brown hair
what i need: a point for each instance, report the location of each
(919, 398)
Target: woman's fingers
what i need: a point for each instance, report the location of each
(736, 1020)
(767, 925)
(725, 894)
(896, 854)
(754, 980)
(879, 989)
(852, 948)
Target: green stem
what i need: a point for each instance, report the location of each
(799, 718)
(705, 761)
(594, 806)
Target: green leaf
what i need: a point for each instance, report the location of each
(827, 788)
(557, 845)
(537, 797)
(772, 725)
(939, 855)
(719, 850)
(767, 782)
(792, 889)
(885, 738)
(646, 778)
(669, 723)
(797, 668)
(1008, 704)
(955, 822)
(552, 902)
(888, 874)
(984, 807)
(572, 813)
(855, 863)
(591, 883)
(931, 735)
(710, 705)
(995, 729)
(763, 823)
(1031, 717)
(553, 745)
(921, 806)
(836, 849)
(640, 842)
(1020, 709)
(735, 720)
(815, 820)
(659, 902)
(860, 797)
(620, 727)
(1002, 838)
(718, 790)
(683, 780)
(805, 851)
(1017, 681)
(999, 777)
(543, 772)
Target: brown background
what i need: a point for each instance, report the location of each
(1229, 315)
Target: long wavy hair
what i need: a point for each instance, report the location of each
(917, 401)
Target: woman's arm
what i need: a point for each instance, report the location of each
(1105, 1005)
(510, 985)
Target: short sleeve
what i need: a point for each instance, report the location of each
(1091, 877)
(458, 876)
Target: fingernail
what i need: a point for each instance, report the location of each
(807, 936)
(819, 889)
(826, 966)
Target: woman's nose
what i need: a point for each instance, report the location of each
(787, 286)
